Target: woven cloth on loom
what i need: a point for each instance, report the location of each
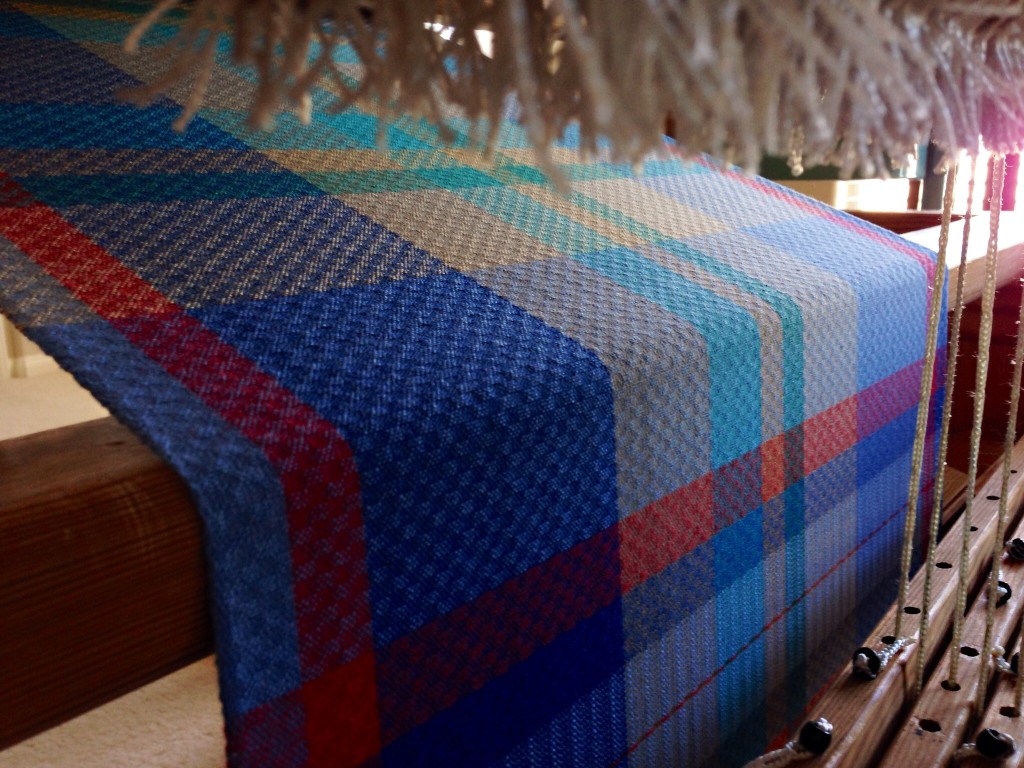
(490, 476)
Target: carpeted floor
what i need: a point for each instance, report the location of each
(173, 723)
(44, 402)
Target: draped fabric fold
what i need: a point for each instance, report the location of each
(490, 475)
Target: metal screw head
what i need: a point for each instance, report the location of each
(995, 745)
(1015, 549)
(816, 735)
(866, 663)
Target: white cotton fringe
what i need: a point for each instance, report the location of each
(847, 82)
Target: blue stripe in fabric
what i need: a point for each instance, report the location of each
(101, 189)
(345, 247)
(891, 304)
(669, 598)
(794, 500)
(441, 387)
(739, 616)
(236, 489)
(733, 341)
(97, 81)
(104, 126)
(594, 724)
(484, 726)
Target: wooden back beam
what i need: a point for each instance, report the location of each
(102, 577)
(1011, 250)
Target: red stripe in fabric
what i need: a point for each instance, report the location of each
(773, 467)
(84, 268)
(314, 463)
(662, 532)
(481, 640)
(884, 400)
(775, 620)
(829, 434)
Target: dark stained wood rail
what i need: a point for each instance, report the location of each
(102, 578)
(901, 222)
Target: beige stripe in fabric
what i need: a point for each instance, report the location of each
(651, 208)
(506, 156)
(549, 198)
(336, 160)
(452, 229)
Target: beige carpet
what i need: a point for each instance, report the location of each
(173, 723)
(44, 402)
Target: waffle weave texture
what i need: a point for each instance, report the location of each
(490, 476)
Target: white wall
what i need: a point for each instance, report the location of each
(19, 357)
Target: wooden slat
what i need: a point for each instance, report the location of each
(102, 578)
(1000, 714)
(865, 714)
(1011, 250)
(902, 222)
(939, 720)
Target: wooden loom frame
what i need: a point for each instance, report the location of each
(116, 472)
(891, 721)
(879, 722)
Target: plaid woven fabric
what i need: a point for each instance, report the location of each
(490, 476)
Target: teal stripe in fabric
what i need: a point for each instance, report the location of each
(351, 129)
(538, 220)
(735, 355)
(86, 30)
(786, 308)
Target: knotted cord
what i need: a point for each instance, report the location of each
(924, 399)
(1004, 488)
(984, 342)
(1018, 688)
(947, 407)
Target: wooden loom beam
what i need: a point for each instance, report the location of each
(867, 715)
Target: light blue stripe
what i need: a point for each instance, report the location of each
(732, 337)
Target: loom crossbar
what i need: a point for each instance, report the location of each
(867, 716)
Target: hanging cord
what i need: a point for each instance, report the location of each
(923, 401)
(947, 412)
(1004, 491)
(1018, 688)
(984, 341)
